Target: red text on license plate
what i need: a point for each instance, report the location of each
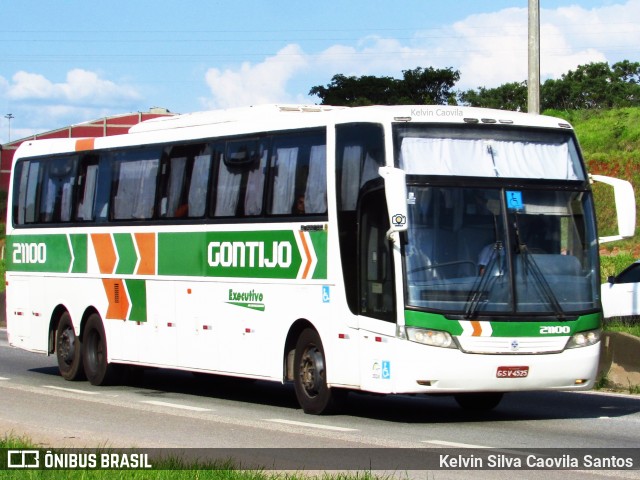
(512, 372)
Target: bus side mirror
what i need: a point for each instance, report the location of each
(625, 207)
(395, 186)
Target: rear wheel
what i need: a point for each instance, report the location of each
(96, 367)
(68, 350)
(310, 376)
(481, 401)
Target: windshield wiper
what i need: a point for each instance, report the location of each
(484, 283)
(530, 265)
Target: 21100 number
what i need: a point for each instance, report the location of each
(29, 253)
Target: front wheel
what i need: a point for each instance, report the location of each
(481, 401)
(94, 353)
(68, 350)
(310, 376)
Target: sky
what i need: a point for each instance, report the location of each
(69, 61)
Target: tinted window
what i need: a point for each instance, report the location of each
(240, 179)
(184, 181)
(43, 192)
(133, 188)
(298, 175)
(86, 189)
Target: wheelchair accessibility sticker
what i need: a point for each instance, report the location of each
(326, 294)
(514, 200)
(381, 369)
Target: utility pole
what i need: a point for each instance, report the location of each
(533, 84)
(9, 116)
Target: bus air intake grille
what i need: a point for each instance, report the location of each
(512, 345)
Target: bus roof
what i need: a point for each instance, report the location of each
(263, 118)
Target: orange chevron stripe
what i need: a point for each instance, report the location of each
(85, 144)
(147, 249)
(117, 297)
(307, 254)
(105, 252)
(477, 328)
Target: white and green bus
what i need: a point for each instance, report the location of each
(421, 250)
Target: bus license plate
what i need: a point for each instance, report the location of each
(512, 372)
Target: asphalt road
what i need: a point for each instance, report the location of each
(171, 409)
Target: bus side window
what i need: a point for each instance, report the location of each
(134, 184)
(25, 181)
(85, 191)
(298, 182)
(240, 180)
(183, 181)
(56, 197)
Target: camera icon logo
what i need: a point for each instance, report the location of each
(398, 220)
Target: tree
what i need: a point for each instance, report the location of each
(417, 87)
(595, 85)
(428, 86)
(509, 96)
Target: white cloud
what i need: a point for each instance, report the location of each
(40, 104)
(251, 84)
(81, 87)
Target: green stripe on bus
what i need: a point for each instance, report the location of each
(240, 254)
(502, 329)
(127, 257)
(137, 290)
(38, 253)
(319, 241)
(79, 246)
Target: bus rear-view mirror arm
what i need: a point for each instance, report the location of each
(395, 185)
(625, 207)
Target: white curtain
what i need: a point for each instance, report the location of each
(484, 158)
(350, 176)
(85, 208)
(255, 188)
(176, 181)
(198, 185)
(284, 184)
(227, 192)
(49, 201)
(65, 202)
(136, 189)
(315, 200)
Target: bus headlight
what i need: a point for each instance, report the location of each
(434, 338)
(584, 339)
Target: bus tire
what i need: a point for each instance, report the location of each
(310, 379)
(68, 350)
(94, 353)
(479, 402)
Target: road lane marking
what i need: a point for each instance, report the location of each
(444, 443)
(311, 425)
(71, 390)
(175, 405)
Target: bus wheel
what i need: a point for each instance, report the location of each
(94, 353)
(68, 350)
(310, 380)
(481, 401)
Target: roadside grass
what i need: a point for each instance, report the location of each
(614, 264)
(630, 325)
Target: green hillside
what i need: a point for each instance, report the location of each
(610, 141)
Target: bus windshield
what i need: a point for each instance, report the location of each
(492, 251)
